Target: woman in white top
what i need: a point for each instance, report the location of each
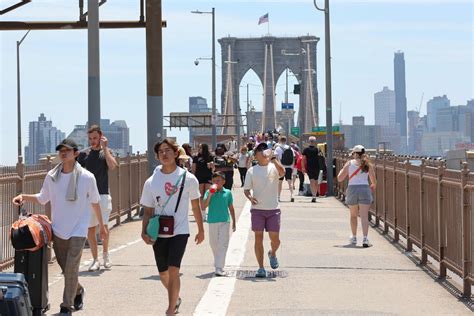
(243, 163)
(359, 191)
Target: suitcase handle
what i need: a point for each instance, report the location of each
(3, 291)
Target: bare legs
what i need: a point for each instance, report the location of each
(172, 283)
(274, 243)
(363, 211)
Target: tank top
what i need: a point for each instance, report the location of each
(361, 178)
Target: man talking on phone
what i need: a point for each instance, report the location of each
(99, 160)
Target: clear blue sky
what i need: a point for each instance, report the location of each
(436, 36)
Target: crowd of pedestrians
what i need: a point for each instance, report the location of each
(201, 179)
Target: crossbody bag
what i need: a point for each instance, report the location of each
(164, 224)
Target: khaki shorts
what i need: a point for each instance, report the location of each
(105, 208)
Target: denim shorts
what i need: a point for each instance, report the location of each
(359, 194)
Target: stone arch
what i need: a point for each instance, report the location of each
(269, 56)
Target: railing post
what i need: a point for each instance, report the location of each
(424, 255)
(139, 184)
(441, 222)
(466, 231)
(407, 210)
(385, 202)
(129, 162)
(119, 191)
(396, 234)
(20, 170)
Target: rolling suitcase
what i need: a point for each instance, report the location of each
(323, 188)
(14, 297)
(34, 265)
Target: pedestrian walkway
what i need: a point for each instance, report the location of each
(319, 273)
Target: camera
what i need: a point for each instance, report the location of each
(196, 62)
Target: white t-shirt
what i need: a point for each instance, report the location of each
(232, 146)
(160, 186)
(279, 153)
(243, 160)
(70, 218)
(263, 181)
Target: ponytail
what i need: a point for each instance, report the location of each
(364, 162)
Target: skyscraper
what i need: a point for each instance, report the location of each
(433, 106)
(43, 138)
(384, 107)
(400, 94)
(198, 105)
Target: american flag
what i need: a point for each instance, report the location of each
(263, 19)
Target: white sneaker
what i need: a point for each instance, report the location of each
(220, 272)
(107, 261)
(95, 265)
(365, 242)
(353, 240)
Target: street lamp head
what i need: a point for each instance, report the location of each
(303, 51)
(196, 62)
(196, 12)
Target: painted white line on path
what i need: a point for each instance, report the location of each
(86, 263)
(216, 300)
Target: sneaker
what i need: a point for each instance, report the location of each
(353, 240)
(313, 200)
(292, 199)
(95, 266)
(261, 273)
(79, 300)
(273, 261)
(107, 261)
(220, 272)
(178, 304)
(365, 242)
(64, 311)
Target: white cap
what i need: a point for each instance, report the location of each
(358, 149)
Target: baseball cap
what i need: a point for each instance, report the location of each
(358, 149)
(261, 147)
(68, 143)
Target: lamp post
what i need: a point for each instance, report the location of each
(214, 115)
(329, 138)
(18, 108)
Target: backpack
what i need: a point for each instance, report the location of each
(287, 158)
(31, 232)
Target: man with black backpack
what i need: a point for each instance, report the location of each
(286, 156)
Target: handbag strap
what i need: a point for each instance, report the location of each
(355, 173)
(180, 191)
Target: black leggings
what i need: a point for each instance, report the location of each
(301, 177)
(229, 179)
(243, 173)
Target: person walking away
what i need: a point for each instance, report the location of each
(286, 156)
(311, 166)
(232, 145)
(220, 203)
(299, 171)
(72, 192)
(359, 191)
(168, 193)
(98, 159)
(224, 162)
(189, 153)
(261, 188)
(202, 168)
(243, 164)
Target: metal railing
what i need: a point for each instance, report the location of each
(429, 205)
(125, 185)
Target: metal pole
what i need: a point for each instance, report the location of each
(94, 63)
(214, 114)
(248, 109)
(154, 70)
(329, 136)
(18, 108)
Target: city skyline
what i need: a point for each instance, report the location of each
(363, 44)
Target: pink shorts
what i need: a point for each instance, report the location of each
(268, 220)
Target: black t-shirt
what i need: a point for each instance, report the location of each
(94, 161)
(312, 159)
(202, 171)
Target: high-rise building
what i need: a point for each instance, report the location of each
(433, 106)
(360, 134)
(117, 133)
(400, 92)
(415, 132)
(454, 119)
(43, 139)
(198, 105)
(384, 107)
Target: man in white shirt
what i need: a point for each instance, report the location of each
(261, 188)
(168, 193)
(72, 190)
(286, 155)
(232, 145)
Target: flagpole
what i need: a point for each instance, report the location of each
(268, 26)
